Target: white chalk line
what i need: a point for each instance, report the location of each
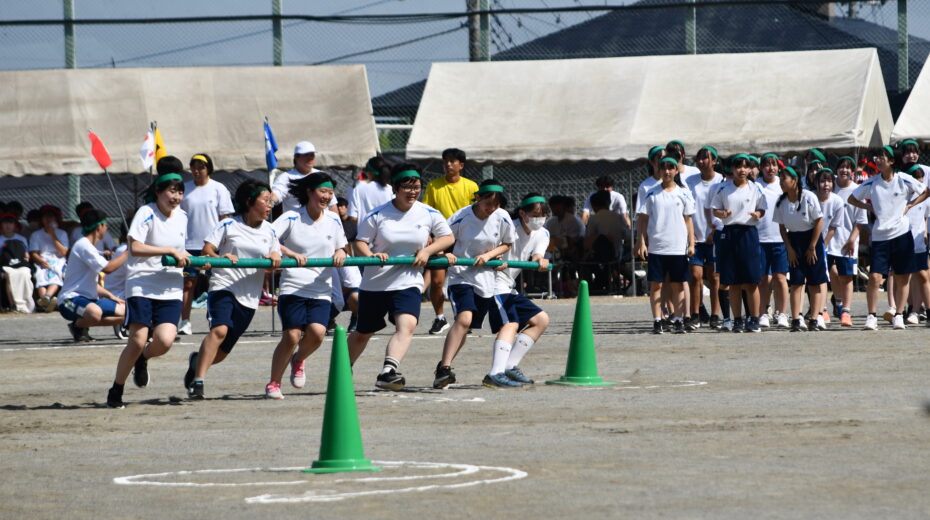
(666, 384)
(327, 495)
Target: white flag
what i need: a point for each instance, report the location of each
(147, 152)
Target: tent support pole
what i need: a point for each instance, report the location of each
(69, 33)
(904, 79)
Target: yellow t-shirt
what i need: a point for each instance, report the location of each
(448, 197)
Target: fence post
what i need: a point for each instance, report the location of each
(276, 30)
(904, 79)
(691, 29)
(69, 33)
(74, 196)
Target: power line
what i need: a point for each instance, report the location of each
(391, 46)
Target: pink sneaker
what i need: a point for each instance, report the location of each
(273, 391)
(298, 378)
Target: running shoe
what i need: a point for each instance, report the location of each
(191, 369)
(819, 323)
(115, 398)
(120, 332)
(353, 322)
(499, 381)
(738, 325)
(440, 325)
(871, 322)
(727, 325)
(826, 316)
(185, 328)
(200, 302)
(52, 304)
(517, 375)
(912, 319)
(298, 377)
(795, 325)
(273, 391)
(764, 321)
(803, 323)
(678, 327)
(444, 377)
(897, 322)
(781, 320)
(812, 326)
(195, 391)
(889, 314)
(140, 373)
(692, 324)
(391, 380)
(666, 325)
(76, 332)
(845, 319)
(42, 304)
(714, 322)
(657, 327)
(752, 325)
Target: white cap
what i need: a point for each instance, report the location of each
(304, 147)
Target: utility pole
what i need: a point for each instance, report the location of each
(74, 182)
(479, 47)
(277, 33)
(691, 29)
(904, 78)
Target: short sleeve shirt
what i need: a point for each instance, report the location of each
(366, 197)
(146, 277)
(234, 236)
(667, 229)
(84, 265)
(314, 239)
(800, 215)
(524, 248)
(700, 192)
(741, 201)
(617, 203)
(474, 237)
(40, 241)
(768, 228)
(888, 202)
(450, 197)
(204, 205)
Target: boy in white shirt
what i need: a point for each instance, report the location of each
(843, 248)
(49, 249)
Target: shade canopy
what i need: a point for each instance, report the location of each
(45, 115)
(616, 108)
(913, 122)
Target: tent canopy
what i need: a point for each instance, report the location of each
(45, 115)
(616, 108)
(913, 122)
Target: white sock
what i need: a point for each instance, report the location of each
(500, 354)
(521, 346)
(440, 316)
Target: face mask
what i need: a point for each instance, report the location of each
(535, 223)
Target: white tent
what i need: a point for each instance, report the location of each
(616, 108)
(913, 122)
(44, 115)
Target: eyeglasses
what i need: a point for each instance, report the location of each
(410, 189)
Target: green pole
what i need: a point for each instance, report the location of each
(69, 33)
(278, 32)
(264, 263)
(691, 29)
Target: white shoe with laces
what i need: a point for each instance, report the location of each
(782, 321)
(185, 327)
(764, 321)
(898, 322)
(913, 319)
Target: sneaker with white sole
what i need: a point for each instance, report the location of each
(185, 327)
(120, 332)
(781, 321)
(444, 376)
(517, 375)
(727, 325)
(803, 322)
(821, 324)
(500, 381)
(390, 380)
(764, 321)
(871, 322)
(913, 319)
(897, 322)
(440, 325)
(273, 391)
(298, 376)
(889, 314)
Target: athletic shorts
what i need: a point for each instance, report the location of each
(738, 255)
(920, 261)
(805, 273)
(896, 254)
(519, 308)
(673, 266)
(374, 305)
(150, 312)
(74, 307)
(463, 298)
(703, 255)
(774, 258)
(297, 312)
(224, 309)
(845, 265)
(193, 272)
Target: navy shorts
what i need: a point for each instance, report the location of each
(673, 266)
(297, 312)
(224, 309)
(150, 312)
(896, 254)
(703, 254)
(374, 305)
(845, 265)
(524, 309)
(193, 272)
(920, 261)
(73, 308)
(463, 298)
(805, 273)
(774, 258)
(738, 255)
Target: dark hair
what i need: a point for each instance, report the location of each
(454, 153)
(299, 187)
(169, 164)
(82, 207)
(381, 169)
(3, 207)
(604, 181)
(15, 207)
(797, 189)
(33, 215)
(823, 173)
(151, 193)
(208, 162)
(341, 201)
(738, 160)
(501, 198)
(247, 193)
(405, 181)
(676, 146)
(91, 217)
(531, 207)
(600, 199)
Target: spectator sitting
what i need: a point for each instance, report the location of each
(48, 246)
(565, 228)
(16, 273)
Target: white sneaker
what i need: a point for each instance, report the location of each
(871, 322)
(803, 322)
(821, 325)
(727, 325)
(764, 321)
(912, 319)
(782, 321)
(889, 314)
(185, 327)
(898, 322)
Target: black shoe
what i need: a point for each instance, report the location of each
(795, 325)
(353, 322)
(702, 315)
(738, 325)
(657, 327)
(391, 380)
(692, 324)
(812, 325)
(85, 335)
(191, 369)
(440, 325)
(678, 327)
(715, 322)
(444, 377)
(140, 373)
(115, 398)
(76, 332)
(195, 391)
(666, 325)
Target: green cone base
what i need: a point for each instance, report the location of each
(579, 381)
(341, 466)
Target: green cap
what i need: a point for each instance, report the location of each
(767, 155)
(845, 158)
(906, 142)
(912, 169)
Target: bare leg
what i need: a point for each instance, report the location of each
(403, 334)
(455, 338)
(138, 334)
(209, 349)
(283, 352)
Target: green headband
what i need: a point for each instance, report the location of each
(653, 151)
(845, 158)
(711, 149)
(371, 168)
(324, 184)
(676, 141)
(818, 154)
(754, 159)
(88, 229)
(888, 150)
(825, 169)
(529, 201)
(491, 188)
(913, 168)
(909, 141)
(790, 171)
(740, 156)
(257, 191)
(816, 161)
(671, 160)
(770, 154)
(168, 177)
(404, 174)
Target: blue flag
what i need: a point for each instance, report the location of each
(270, 148)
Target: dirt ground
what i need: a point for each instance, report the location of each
(705, 425)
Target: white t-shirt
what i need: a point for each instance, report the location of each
(888, 202)
(700, 192)
(768, 228)
(474, 237)
(115, 282)
(571, 226)
(147, 277)
(84, 265)
(617, 203)
(524, 247)
(233, 236)
(740, 201)
(204, 205)
(689, 171)
(313, 239)
(666, 230)
(834, 215)
(800, 215)
(917, 217)
(105, 244)
(398, 233)
(854, 216)
(641, 191)
(281, 186)
(366, 197)
(607, 223)
(41, 241)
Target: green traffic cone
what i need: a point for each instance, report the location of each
(341, 443)
(581, 369)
